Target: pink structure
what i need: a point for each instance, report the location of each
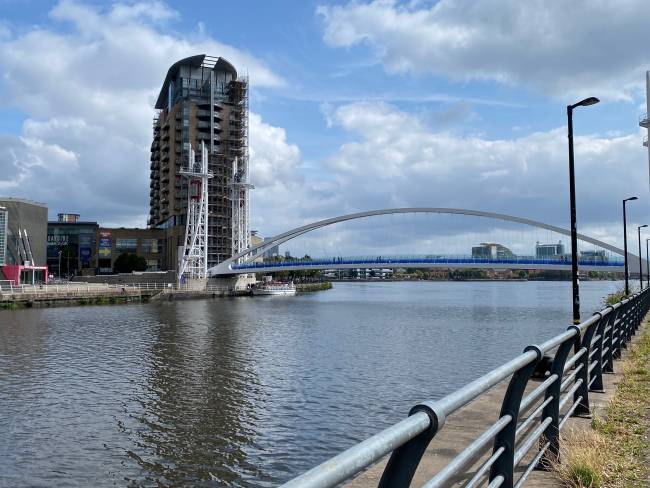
(24, 275)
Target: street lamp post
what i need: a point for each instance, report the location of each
(627, 274)
(572, 197)
(647, 262)
(60, 252)
(640, 258)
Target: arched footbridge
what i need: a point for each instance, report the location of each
(247, 262)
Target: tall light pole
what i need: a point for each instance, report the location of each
(640, 258)
(647, 262)
(572, 195)
(627, 274)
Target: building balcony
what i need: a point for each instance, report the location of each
(645, 141)
(643, 120)
(165, 157)
(202, 136)
(165, 136)
(206, 104)
(166, 124)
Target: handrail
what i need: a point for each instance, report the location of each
(577, 361)
(400, 260)
(78, 287)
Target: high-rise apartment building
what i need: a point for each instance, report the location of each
(202, 100)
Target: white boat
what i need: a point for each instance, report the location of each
(270, 288)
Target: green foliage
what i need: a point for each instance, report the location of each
(615, 297)
(127, 263)
(584, 475)
(467, 274)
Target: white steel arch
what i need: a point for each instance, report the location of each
(224, 267)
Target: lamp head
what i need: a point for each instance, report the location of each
(630, 199)
(642, 226)
(587, 101)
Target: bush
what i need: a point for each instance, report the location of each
(127, 263)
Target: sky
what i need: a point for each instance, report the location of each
(355, 105)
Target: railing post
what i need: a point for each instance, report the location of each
(618, 328)
(608, 356)
(552, 410)
(582, 393)
(504, 465)
(404, 460)
(597, 372)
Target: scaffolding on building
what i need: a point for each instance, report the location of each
(240, 185)
(193, 258)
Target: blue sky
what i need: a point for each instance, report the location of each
(355, 105)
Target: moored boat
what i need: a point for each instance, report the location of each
(273, 288)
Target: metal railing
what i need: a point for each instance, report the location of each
(530, 418)
(405, 260)
(7, 288)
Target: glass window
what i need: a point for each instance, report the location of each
(149, 246)
(126, 245)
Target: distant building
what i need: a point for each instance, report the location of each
(146, 243)
(23, 231)
(70, 246)
(549, 251)
(490, 250)
(272, 252)
(76, 247)
(594, 256)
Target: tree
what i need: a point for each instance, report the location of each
(127, 263)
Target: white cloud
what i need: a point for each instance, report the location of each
(396, 160)
(565, 49)
(88, 82)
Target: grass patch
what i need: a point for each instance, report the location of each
(615, 451)
(614, 298)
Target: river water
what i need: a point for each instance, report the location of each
(247, 391)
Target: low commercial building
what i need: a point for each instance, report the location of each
(596, 256)
(549, 251)
(147, 243)
(70, 246)
(490, 250)
(23, 231)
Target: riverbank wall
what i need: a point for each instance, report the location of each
(84, 293)
(53, 296)
(311, 287)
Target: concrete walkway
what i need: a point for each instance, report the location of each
(465, 425)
